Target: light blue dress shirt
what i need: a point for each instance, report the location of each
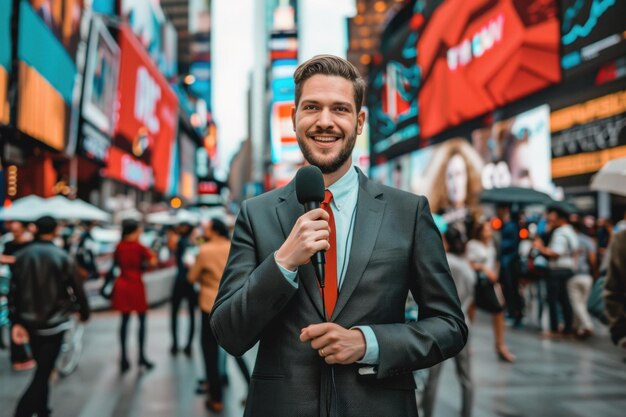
(345, 195)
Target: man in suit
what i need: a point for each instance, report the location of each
(380, 243)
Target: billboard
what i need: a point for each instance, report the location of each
(516, 151)
(47, 42)
(478, 55)
(454, 172)
(100, 92)
(592, 32)
(443, 63)
(125, 168)
(394, 81)
(147, 110)
(5, 59)
(587, 135)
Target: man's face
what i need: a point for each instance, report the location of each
(326, 122)
(17, 229)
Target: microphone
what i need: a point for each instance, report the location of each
(310, 192)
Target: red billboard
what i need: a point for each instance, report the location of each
(477, 55)
(147, 111)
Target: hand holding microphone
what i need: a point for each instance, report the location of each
(308, 239)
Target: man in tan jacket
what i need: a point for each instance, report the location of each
(207, 271)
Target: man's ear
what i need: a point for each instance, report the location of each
(360, 122)
(293, 118)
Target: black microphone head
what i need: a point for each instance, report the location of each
(309, 184)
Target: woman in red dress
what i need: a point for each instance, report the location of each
(129, 293)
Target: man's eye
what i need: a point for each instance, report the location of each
(341, 109)
(309, 107)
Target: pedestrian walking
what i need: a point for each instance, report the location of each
(182, 289)
(561, 255)
(579, 286)
(464, 278)
(129, 292)
(482, 256)
(207, 271)
(615, 289)
(20, 354)
(45, 291)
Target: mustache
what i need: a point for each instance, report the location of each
(324, 132)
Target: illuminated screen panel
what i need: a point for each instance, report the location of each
(477, 55)
(5, 59)
(393, 84)
(592, 32)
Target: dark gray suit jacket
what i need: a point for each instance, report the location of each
(396, 248)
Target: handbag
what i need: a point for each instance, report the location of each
(487, 295)
(106, 291)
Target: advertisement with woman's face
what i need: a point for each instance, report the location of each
(516, 151)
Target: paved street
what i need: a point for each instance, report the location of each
(563, 378)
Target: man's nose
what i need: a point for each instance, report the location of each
(325, 120)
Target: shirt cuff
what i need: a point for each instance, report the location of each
(290, 276)
(372, 352)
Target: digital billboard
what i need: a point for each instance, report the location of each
(592, 32)
(443, 63)
(587, 135)
(100, 92)
(394, 81)
(5, 59)
(477, 55)
(46, 72)
(147, 111)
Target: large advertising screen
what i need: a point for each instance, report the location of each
(100, 92)
(47, 44)
(515, 151)
(587, 135)
(394, 83)
(5, 59)
(477, 55)
(147, 111)
(443, 63)
(592, 32)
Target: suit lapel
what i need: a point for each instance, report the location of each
(369, 217)
(288, 211)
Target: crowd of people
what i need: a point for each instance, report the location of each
(570, 263)
(45, 293)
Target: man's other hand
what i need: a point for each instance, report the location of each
(335, 343)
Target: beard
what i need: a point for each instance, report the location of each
(328, 166)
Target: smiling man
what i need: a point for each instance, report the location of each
(355, 358)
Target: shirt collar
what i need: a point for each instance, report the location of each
(343, 188)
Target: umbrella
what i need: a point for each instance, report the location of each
(33, 207)
(611, 178)
(26, 209)
(514, 195)
(167, 218)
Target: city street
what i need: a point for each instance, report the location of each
(550, 378)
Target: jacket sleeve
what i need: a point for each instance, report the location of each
(251, 293)
(615, 288)
(440, 331)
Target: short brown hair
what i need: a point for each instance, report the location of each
(330, 65)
